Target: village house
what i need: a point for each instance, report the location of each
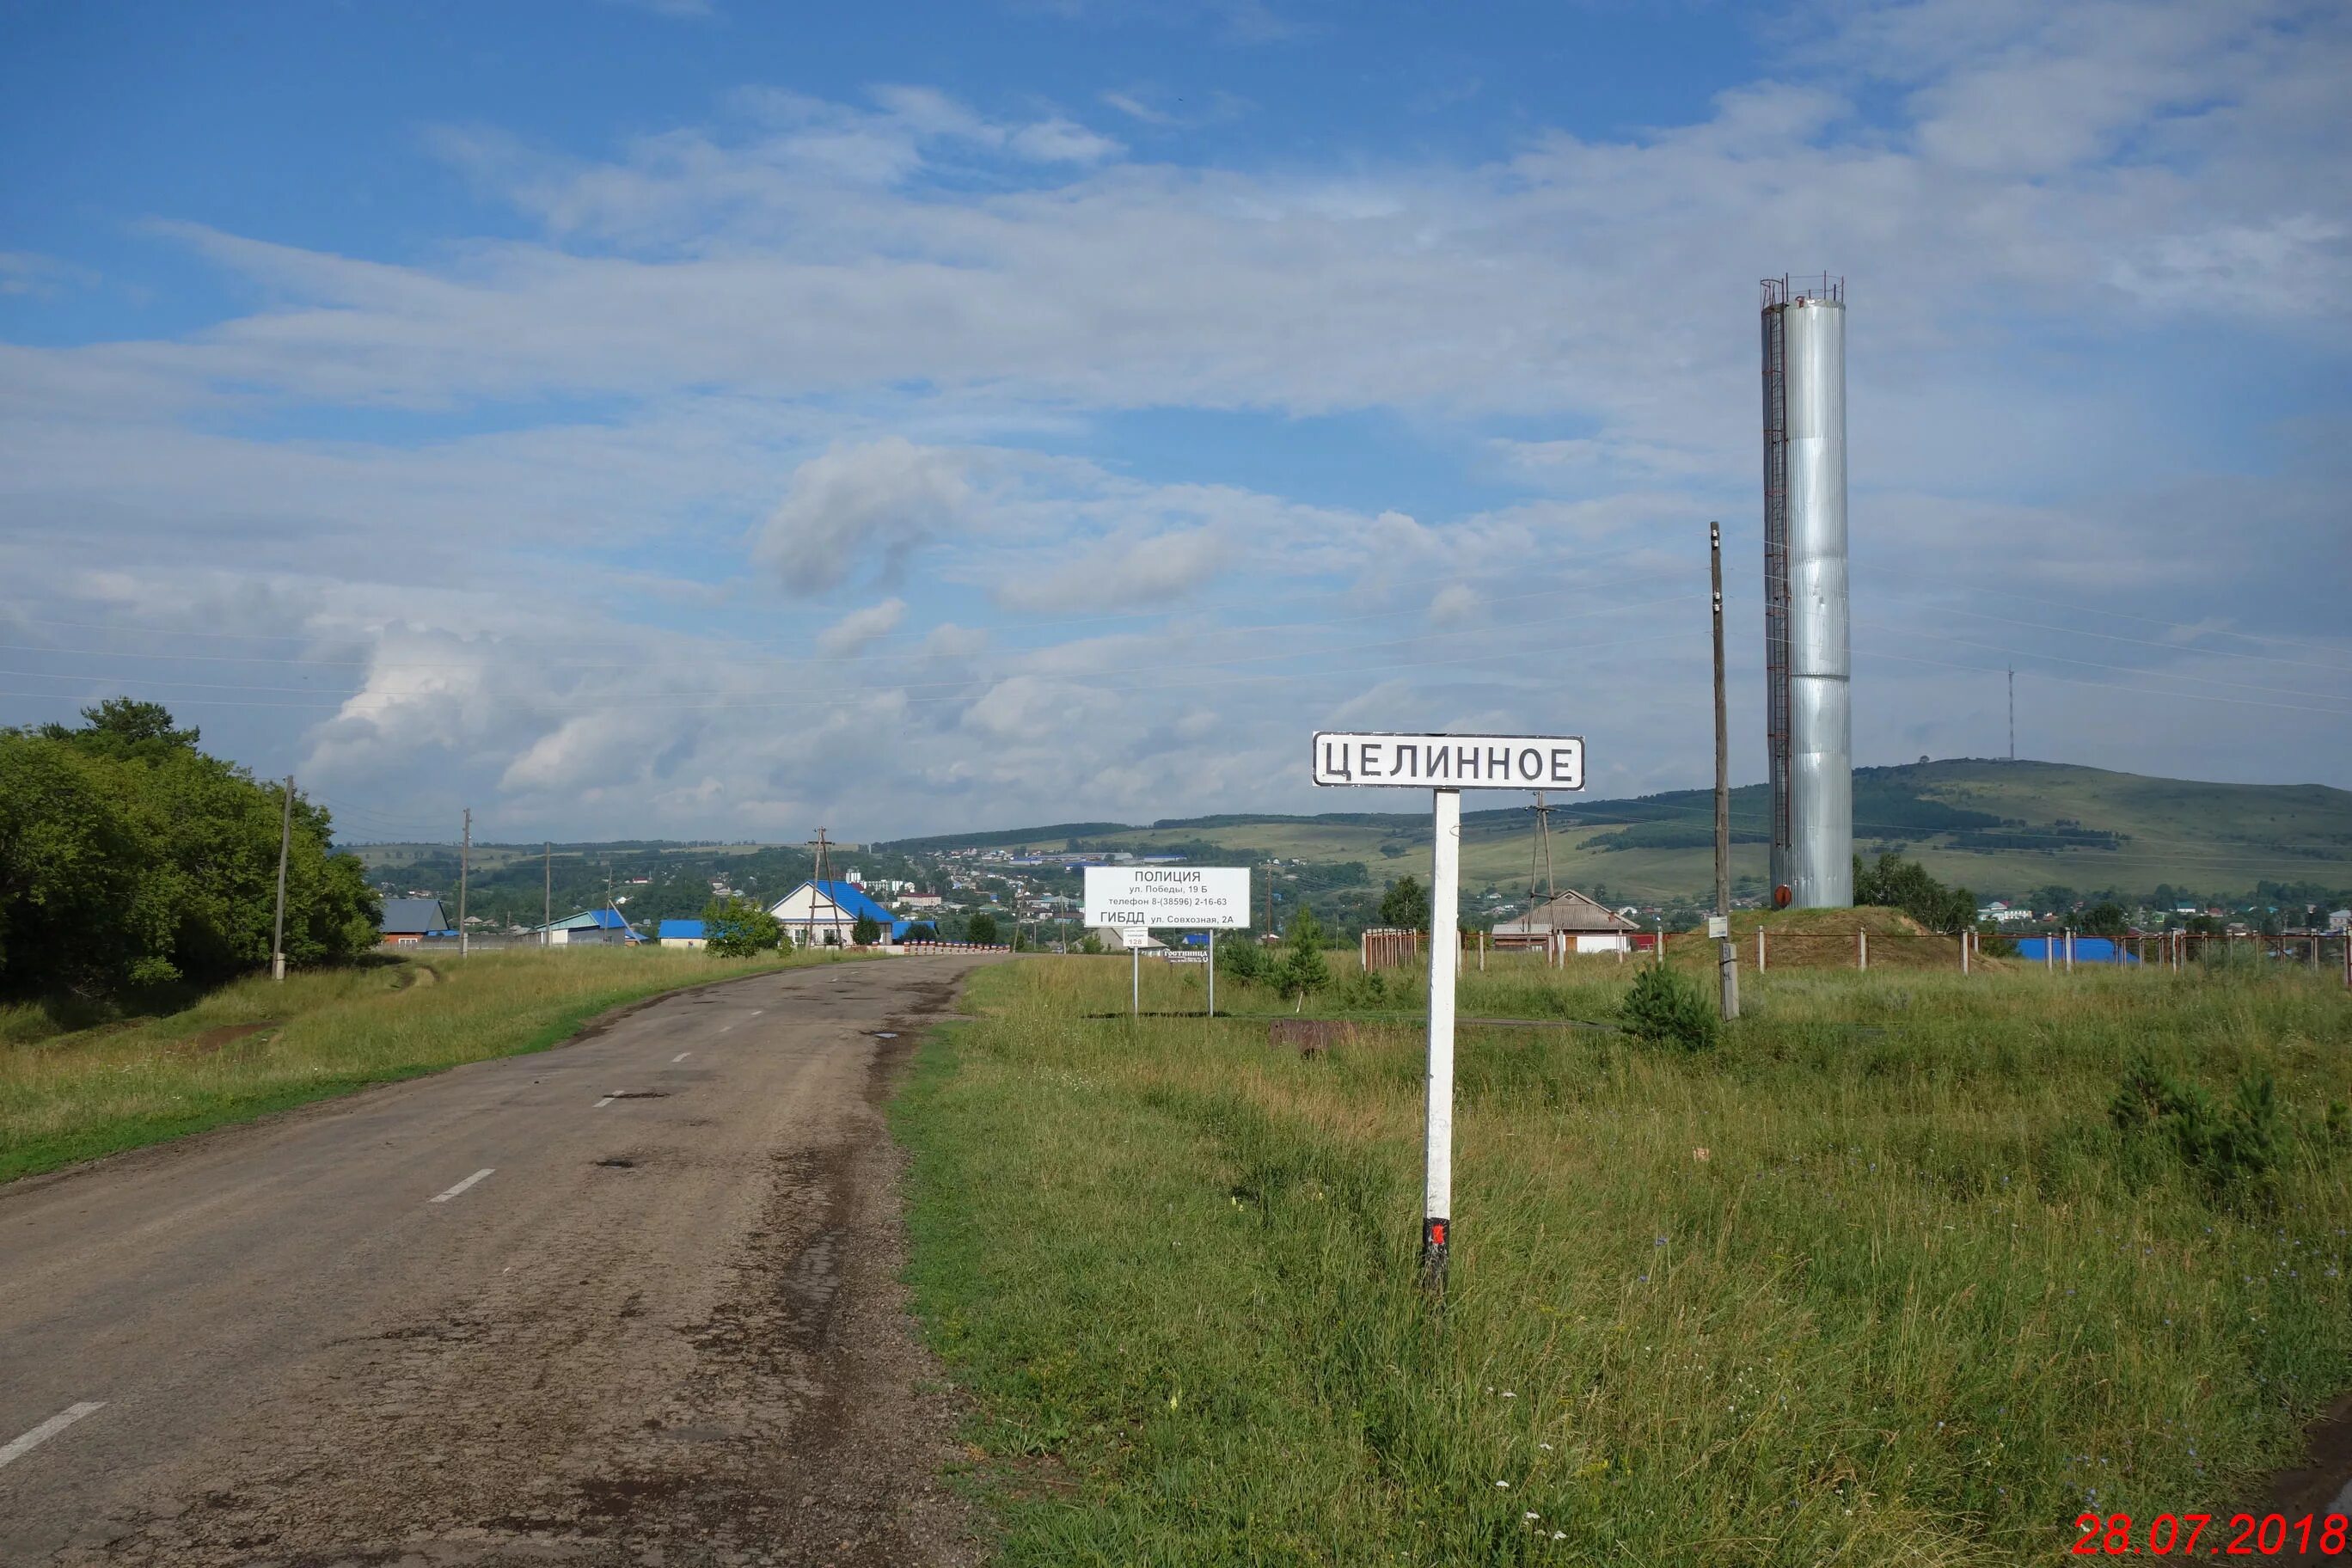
(1580, 923)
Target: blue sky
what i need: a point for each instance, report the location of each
(674, 418)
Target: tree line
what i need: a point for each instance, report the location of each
(131, 859)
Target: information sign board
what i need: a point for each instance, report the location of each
(1450, 762)
(1191, 898)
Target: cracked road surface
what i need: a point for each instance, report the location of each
(483, 1319)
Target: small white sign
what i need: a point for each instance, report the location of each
(1450, 762)
(1188, 897)
(1719, 925)
(1134, 936)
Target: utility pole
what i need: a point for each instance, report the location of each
(1726, 955)
(546, 891)
(277, 927)
(465, 864)
(823, 881)
(2012, 712)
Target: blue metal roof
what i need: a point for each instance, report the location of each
(669, 930)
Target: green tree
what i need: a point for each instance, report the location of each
(1405, 905)
(867, 931)
(738, 928)
(130, 857)
(1304, 968)
(1896, 883)
(2106, 920)
(981, 929)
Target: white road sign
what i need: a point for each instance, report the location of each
(1191, 897)
(1450, 762)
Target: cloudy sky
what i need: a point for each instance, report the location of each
(696, 416)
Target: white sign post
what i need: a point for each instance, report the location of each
(1137, 898)
(1446, 766)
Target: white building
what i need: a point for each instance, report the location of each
(1582, 924)
(825, 914)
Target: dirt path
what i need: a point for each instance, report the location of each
(663, 1328)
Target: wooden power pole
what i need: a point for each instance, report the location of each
(1726, 955)
(546, 891)
(465, 864)
(277, 927)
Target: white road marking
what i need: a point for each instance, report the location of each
(680, 1058)
(604, 1102)
(461, 1186)
(49, 1429)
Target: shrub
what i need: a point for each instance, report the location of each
(867, 931)
(736, 928)
(2241, 1144)
(1241, 956)
(1667, 1009)
(981, 930)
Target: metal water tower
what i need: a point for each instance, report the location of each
(1809, 723)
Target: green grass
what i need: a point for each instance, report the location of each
(1917, 1302)
(99, 1090)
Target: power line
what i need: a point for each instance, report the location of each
(1578, 588)
(2097, 664)
(2147, 642)
(2112, 686)
(2196, 626)
(858, 695)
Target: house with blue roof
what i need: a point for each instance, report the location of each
(589, 927)
(680, 933)
(824, 914)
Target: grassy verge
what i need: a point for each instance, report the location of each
(254, 1048)
(1875, 1281)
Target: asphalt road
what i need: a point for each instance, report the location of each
(633, 1301)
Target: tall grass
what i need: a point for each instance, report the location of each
(1875, 1281)
(74, 1095)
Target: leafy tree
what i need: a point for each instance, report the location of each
(867, 931)
(738, 928)
(1304, 968)
(922, 930)
(1896, 883)
(129, 858)
(120, 724)
(981, 929)
(1091, 943)
(1405, 906)
(2106, 920)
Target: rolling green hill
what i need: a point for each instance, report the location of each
(1997, 827)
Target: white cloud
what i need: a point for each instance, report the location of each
(879, 499)
(1119, 573)
(867, 322)
(858, 629)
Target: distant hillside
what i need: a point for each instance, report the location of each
(1998, 827)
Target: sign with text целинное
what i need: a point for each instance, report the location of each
(1178, 897)
(1450, 762)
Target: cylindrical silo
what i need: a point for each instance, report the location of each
(1809, 724)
